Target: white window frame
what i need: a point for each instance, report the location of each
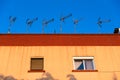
(83, 59)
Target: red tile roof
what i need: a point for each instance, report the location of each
(59, 39)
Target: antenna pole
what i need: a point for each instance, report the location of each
(61, 27)
(45, 23)
(27, 29)
(99, 30)
(12, 19)
(75, 24)
(75, 28)
(30, 22)
(9, 28)
(43, 28)
(54, 31)
(62, 20)
(100, 22)
(8, 31)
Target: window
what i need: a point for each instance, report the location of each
(83, 63)
(37, 63)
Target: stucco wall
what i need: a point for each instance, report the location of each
(15, 61)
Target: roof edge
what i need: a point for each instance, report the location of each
(59, 39)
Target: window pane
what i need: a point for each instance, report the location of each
(79, 65)
(89, 64)
(37, 63)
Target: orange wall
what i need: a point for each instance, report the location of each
(15, 61)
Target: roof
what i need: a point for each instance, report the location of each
(59, 39)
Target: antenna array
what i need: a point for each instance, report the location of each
(29, 22)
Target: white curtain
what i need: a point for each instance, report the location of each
(89, 65)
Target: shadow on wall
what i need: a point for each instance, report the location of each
(114, 76)
(46, 76)
(2, 77)
(71, 77)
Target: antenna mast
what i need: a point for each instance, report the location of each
(62, 19)
(100, 22)
(75, 22)
(12, 20)
(29, 22)
(45, 23)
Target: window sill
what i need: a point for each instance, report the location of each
(36, 71)
(84, 70)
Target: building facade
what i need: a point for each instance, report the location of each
(60, 56)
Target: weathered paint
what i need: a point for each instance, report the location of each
(15, 61)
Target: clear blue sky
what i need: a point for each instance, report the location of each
(89, 10)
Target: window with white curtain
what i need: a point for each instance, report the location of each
(83, 63)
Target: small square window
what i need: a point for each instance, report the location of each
(83, 63)
(37, 63)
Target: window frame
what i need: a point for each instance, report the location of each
(36, 70)
(31, 64)
(83, 60)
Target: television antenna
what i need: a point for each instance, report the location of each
(100, 22)
(45, 23)
(62, 19)
(75, 22)
(12, 20)
(29, 22)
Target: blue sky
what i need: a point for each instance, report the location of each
(88, 10)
